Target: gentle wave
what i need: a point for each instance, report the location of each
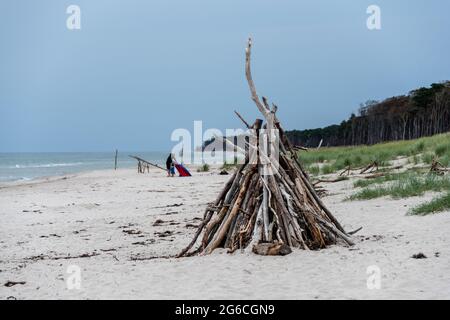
(14, 178)
(47, 165)
(25, 166)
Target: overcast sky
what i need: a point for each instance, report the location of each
(137, 70)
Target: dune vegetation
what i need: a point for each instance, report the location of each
(438, 204)
(413, 179)
(333, 159)
(408, 185)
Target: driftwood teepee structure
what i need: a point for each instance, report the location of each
(267, 201)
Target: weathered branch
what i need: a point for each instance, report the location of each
(248, 73)
(242, 119)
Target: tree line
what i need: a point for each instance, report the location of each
(422, 112)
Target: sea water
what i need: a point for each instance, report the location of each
(28, 166)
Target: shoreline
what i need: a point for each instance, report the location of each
(65, 176)
(32, 166)
(52, 178)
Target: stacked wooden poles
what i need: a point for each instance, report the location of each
(270, 200)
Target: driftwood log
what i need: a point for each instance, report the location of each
(269, 201)
(144, 165)
(438, 168)
(370, 167)
(346, 171)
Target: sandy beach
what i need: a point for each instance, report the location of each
(113, 226)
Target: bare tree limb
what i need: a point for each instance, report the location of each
(242, 119)
(248, 73)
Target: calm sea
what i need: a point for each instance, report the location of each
(28, 166)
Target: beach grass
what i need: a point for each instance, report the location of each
(438, 204)
(333, 159)
(228, 166)
(362, 183)
(327, 169)
(413, 182)
(204, 168)
(408, 185)
(314, 169)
